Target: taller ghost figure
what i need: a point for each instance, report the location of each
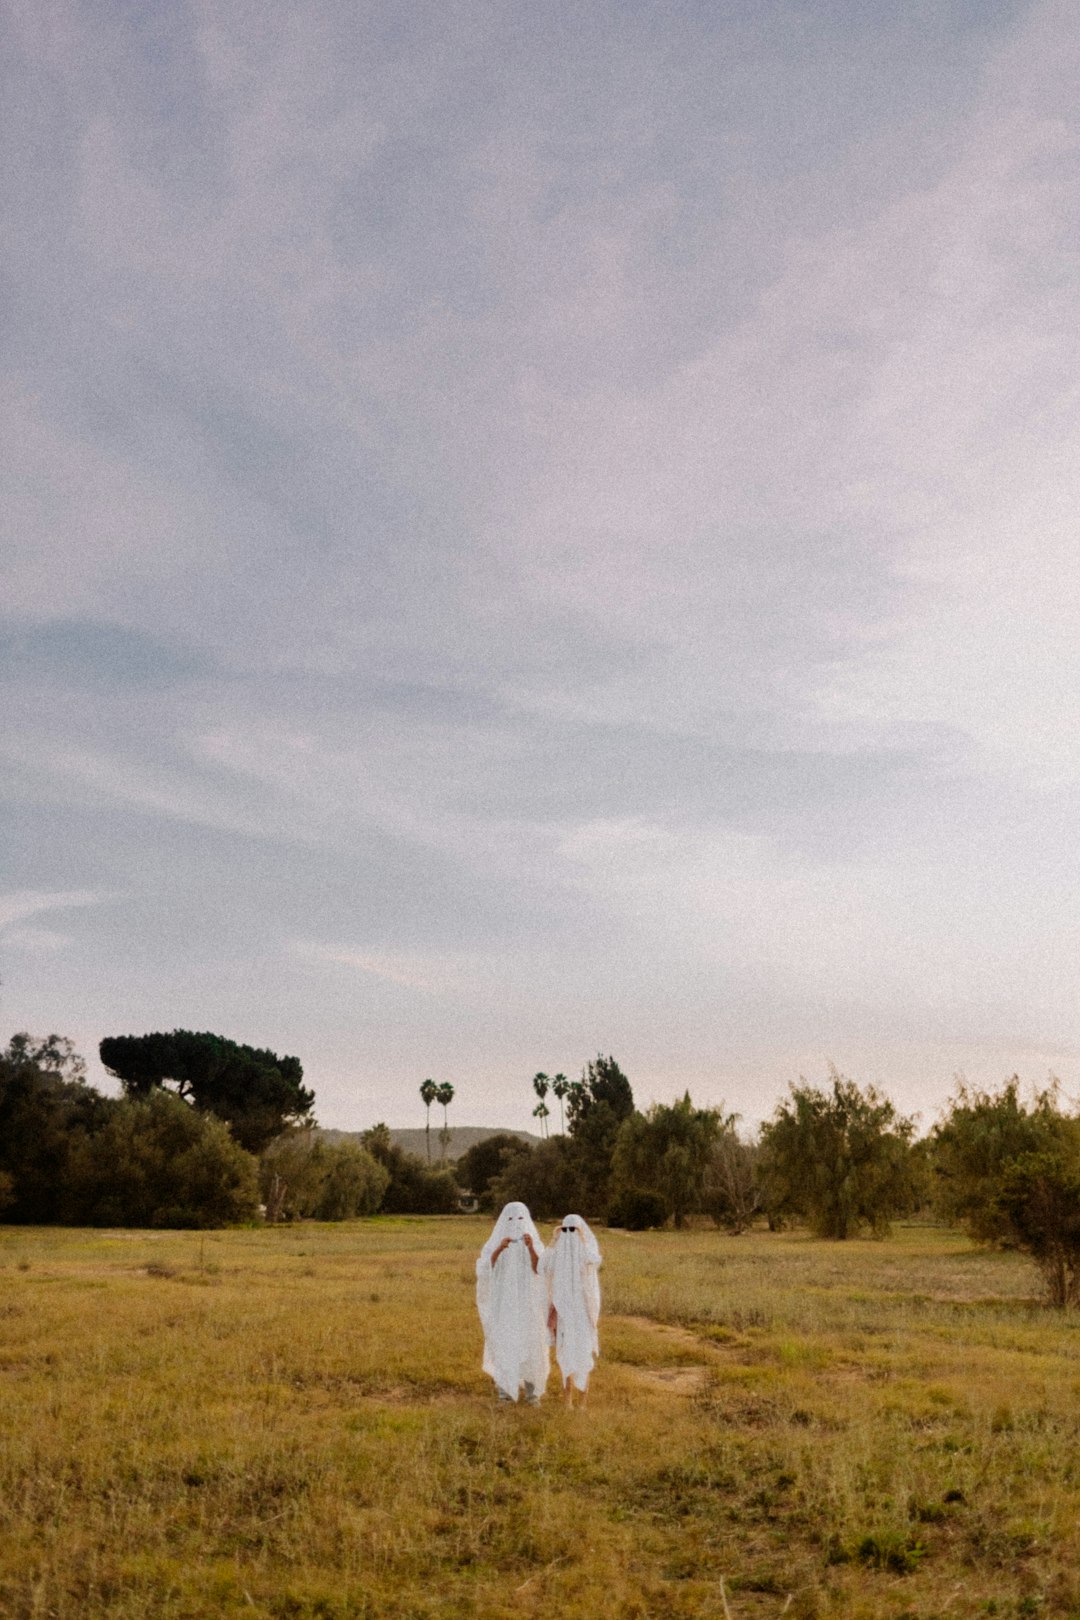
(511, 1297)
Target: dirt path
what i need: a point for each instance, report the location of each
(682, 1377)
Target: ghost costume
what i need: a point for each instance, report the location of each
(512, 1301)
(570, 1269)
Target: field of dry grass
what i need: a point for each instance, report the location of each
(292, 1424)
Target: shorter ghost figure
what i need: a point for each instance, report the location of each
(512, 1300)
(570, 1269)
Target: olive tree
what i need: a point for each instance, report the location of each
(666, 1152)
(839, 1157)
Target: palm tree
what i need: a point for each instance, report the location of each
(445, 1094)
(429, 1091)
(560, 1085)
(541, 1112)
(540, 1086)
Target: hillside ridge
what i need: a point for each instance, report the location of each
(413, 1140)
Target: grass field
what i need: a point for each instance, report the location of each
(292, 1423)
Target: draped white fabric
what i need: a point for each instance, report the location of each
(570, 1268)
(512, 1301)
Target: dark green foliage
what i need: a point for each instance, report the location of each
(304, 1176)
(68, 1154)
(549, 1178)
(1039, 1197)
(890, 1550)
(413, 1188)
(602, 1085)
(45, 1109)
(840, 1158)
(666, 1152)
(982, 1133)
(598, 1104)
(479, 1166)
(158, 1162)
(256, 1092)
(636, 1210)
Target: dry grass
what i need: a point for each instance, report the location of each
(293, 1424)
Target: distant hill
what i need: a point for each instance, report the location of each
(462, 1138)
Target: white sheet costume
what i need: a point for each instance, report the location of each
(570, 1269)
(512, 1300)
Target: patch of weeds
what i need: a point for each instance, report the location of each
(720, 1334)
(159, 1268)
(891, 1550)
(888, 1550)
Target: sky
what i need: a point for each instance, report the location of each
(531, 531)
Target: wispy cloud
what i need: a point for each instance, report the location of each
(430, 975)
(17, 907)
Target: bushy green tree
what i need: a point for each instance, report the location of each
(838, 1157)
(548, 1177)
(666, 1152)
(158, 1162)
(981, 1134)
(303, 1175)
(1039, 1197)
(256, 1092)
(414, 1187)
(598, 1104)
(481, 1164)
(46, 1108)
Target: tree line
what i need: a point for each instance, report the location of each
(208, 1133)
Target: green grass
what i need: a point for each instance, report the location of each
(292, 1424)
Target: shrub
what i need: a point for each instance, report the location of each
(46, 1109)
(981, 1135)
(413, 1188)
(549, 1178)
(481, 1164)
(1039, 1197)
(638, 1210)
(158, 1162)
(302, 1174)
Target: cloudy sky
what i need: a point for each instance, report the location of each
(536, 529)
